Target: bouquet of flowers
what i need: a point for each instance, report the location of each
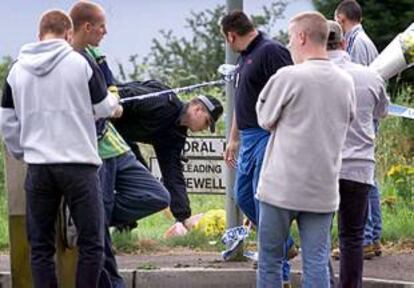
(397, 56)
(212, 223)
(407, 44)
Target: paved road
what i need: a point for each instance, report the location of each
(390, 267)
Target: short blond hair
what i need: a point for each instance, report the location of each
(314, 24)
(55, 22)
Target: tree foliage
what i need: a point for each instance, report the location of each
(4, 69)
(180, 61)
(382, 20)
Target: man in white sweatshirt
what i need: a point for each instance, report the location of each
(356, 177)
(51, 99)
(307, 108)
(362, 50)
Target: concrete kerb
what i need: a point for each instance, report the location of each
(367, 282)
(228, 278)
(208, 277)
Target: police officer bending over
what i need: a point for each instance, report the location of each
(163, 122)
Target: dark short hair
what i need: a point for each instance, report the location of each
(54, 21)
(350, 9)
(83, 12)
(236, 21)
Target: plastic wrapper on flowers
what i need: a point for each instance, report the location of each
(233, 238)
(212, 223)
(397, 56)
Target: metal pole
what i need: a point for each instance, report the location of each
(233, 214)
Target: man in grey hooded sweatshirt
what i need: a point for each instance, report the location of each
(358, 162)
(51, 99)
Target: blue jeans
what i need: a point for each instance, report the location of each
(130, 193)
(79, 185)
(373, 226)
(251, 154)
(314, 231)
(252, 150)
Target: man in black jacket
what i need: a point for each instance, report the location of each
(163, 122)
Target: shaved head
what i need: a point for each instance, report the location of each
(314, 25)
(85, 12)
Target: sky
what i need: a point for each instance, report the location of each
(132, 24)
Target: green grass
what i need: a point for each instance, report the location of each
(397, 223)
(4, 226)
(153, 227)
(149, 235)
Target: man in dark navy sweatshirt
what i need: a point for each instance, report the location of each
(260, 58)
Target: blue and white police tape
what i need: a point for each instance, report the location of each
(175, 90)
(226, 71)
(401, 111)
(233, 238)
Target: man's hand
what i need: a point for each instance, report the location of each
(117, 112)
(230, 155)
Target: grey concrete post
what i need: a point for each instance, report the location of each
(233, 213)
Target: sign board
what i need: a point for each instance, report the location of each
(204, 170)
(205, 147)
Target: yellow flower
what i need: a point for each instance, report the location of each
(212, 223)
(395, 169)
(407, 44)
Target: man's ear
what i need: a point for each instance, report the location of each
(302, 37)
(87, 27)
(231, 37)
(340, 19)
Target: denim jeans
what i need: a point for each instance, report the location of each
(352, 216)
(79, 184)
(252, 150)
(130, 193)
(314, 231)
(373, 226)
